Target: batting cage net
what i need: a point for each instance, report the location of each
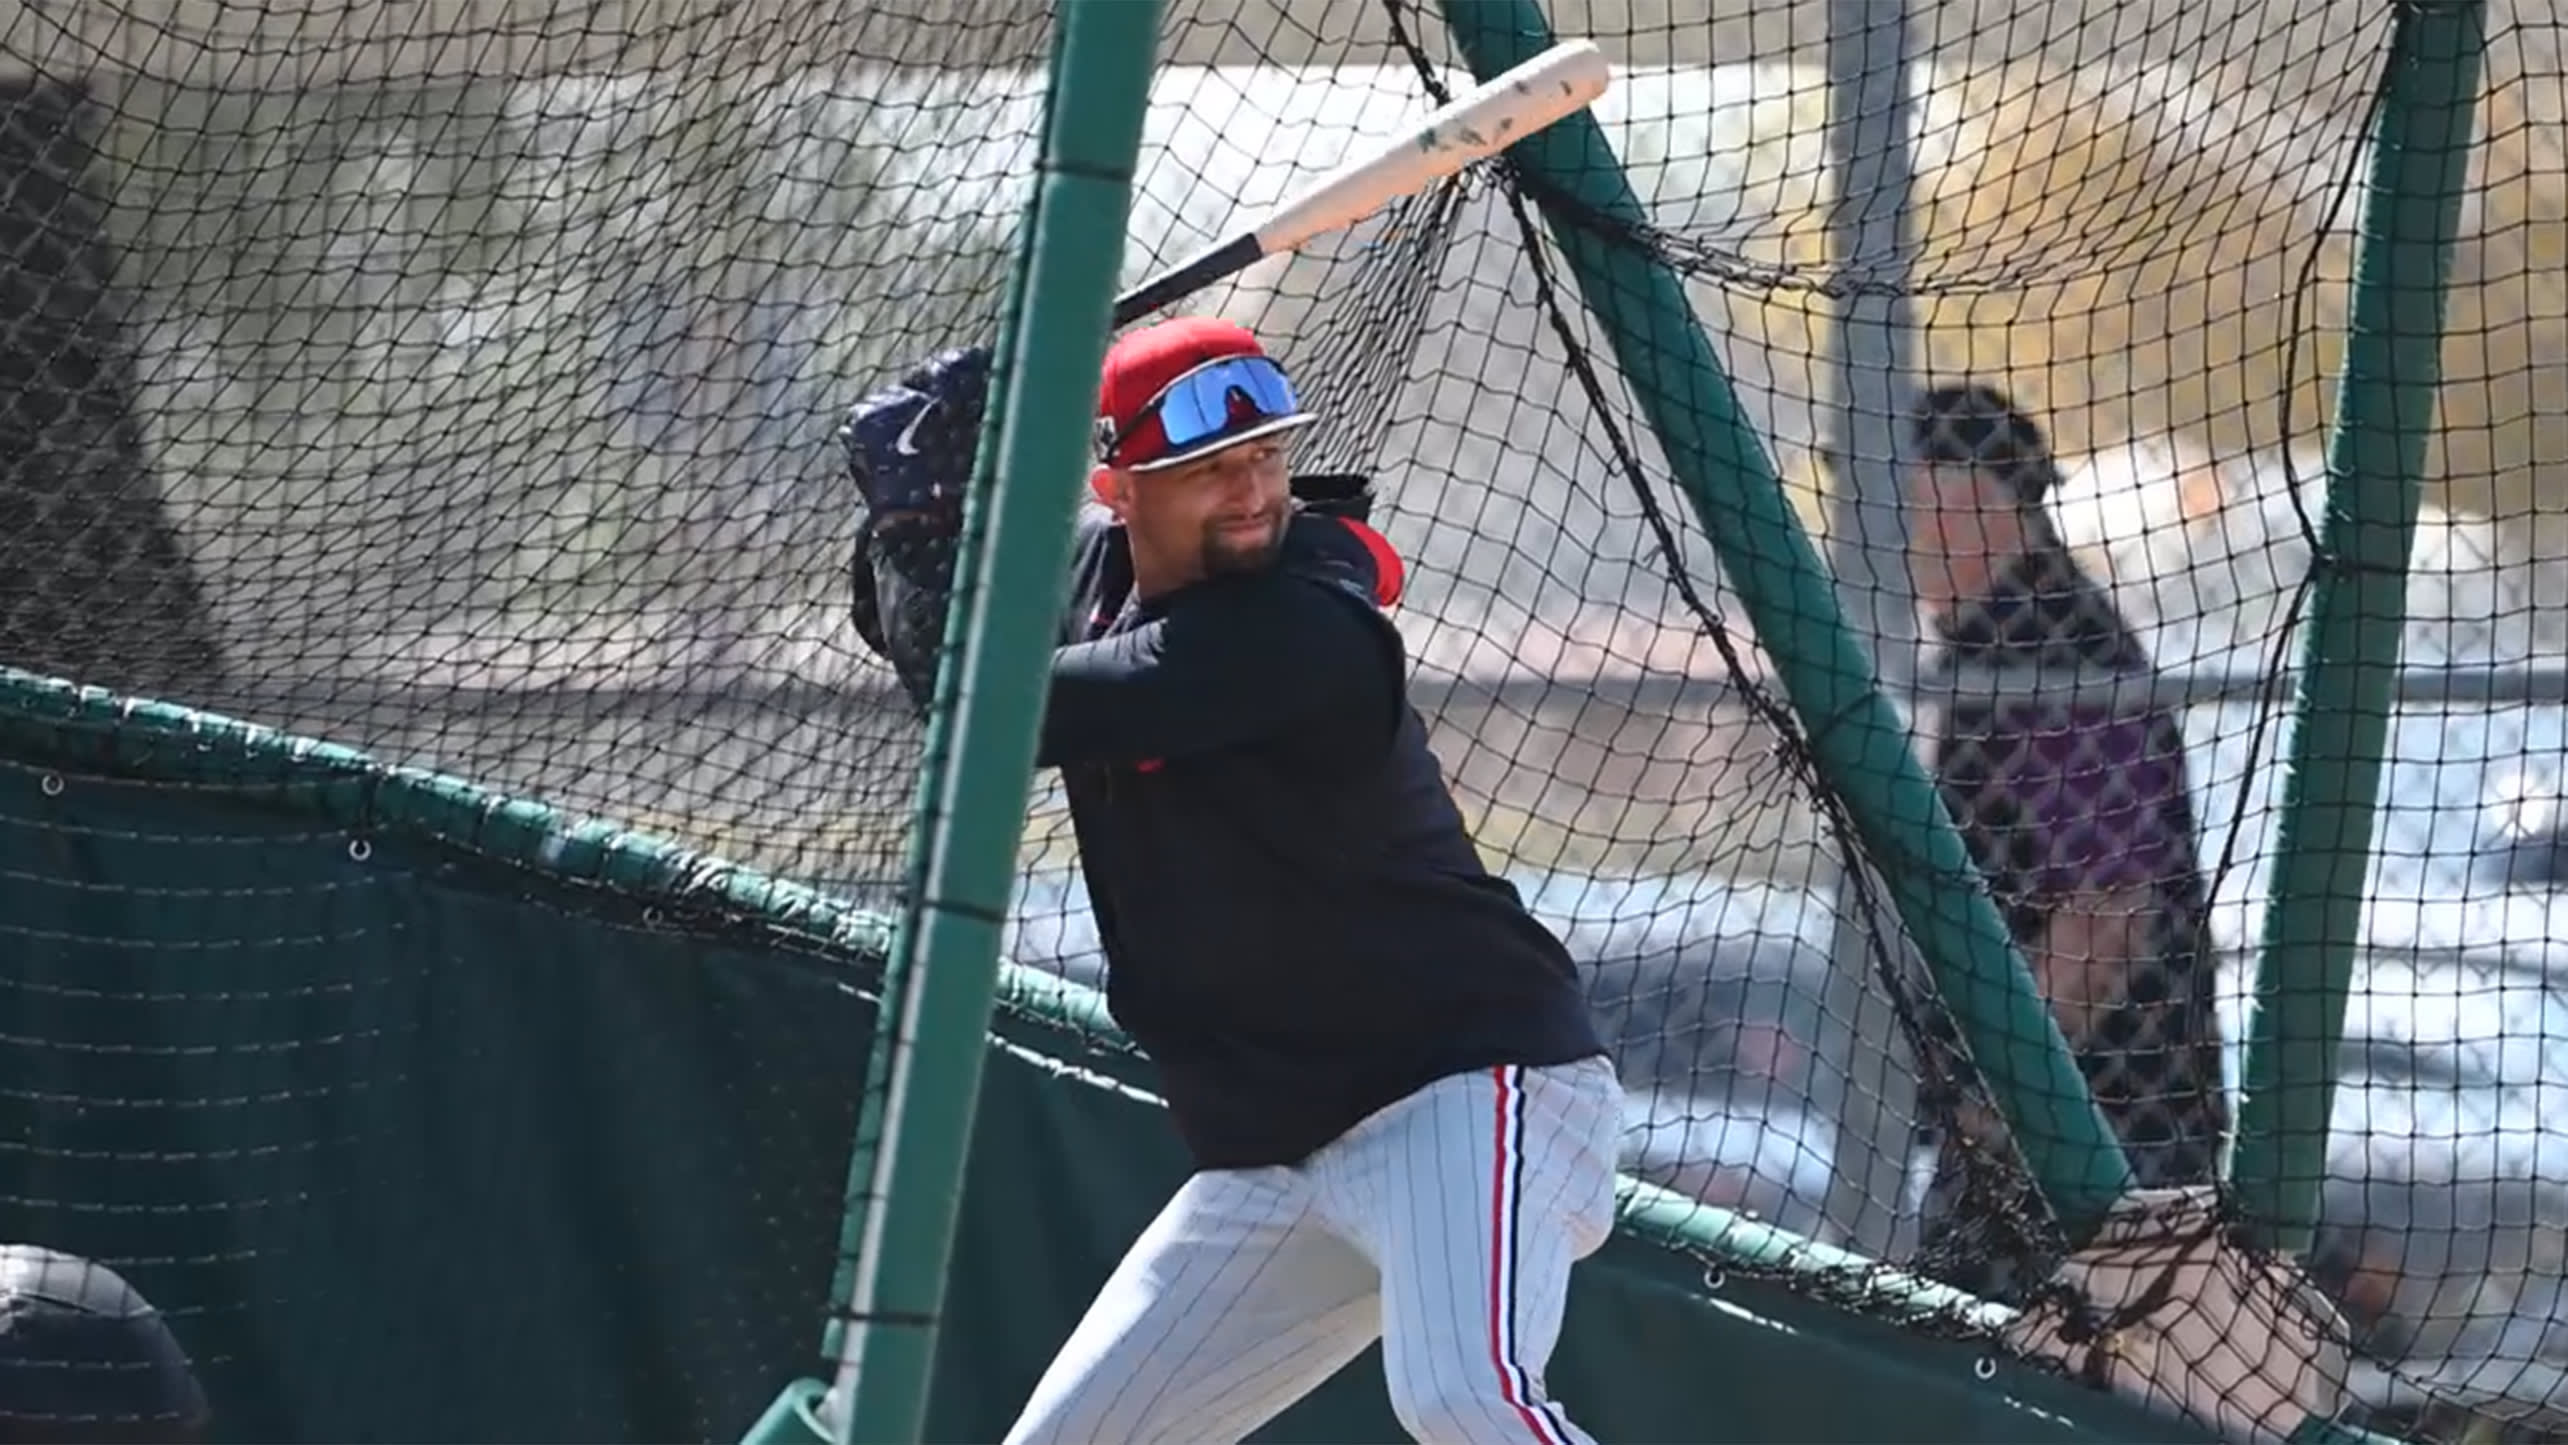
(457, 384)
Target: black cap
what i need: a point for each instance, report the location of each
(1974, 424)
(84, 1357)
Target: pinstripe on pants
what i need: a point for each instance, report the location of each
(1445, 1225)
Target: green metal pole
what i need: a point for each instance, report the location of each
(2358, 607)
(906, 1177)
(1861, 746)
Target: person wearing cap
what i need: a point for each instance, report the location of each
(1403, 1123)
(2077, 813)
(85, 1358)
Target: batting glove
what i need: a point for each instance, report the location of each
(909, 445)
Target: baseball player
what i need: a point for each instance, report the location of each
(1402, 1122)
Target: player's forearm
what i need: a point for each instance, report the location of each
(905, 574)
(1124, 699)
(1265, 660)
(910, 571)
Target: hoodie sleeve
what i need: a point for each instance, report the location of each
(1280, 658)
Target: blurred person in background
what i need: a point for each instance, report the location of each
(2076, 812)
(86, 1360)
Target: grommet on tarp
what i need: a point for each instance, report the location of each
(1985, 1367)
(360, 849)
(50, 785)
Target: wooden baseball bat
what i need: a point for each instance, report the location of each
(1473, 126)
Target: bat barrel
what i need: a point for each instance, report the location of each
(1471, 127)
(1496, 114)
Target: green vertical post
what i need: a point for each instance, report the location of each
(906, 1177)
(1854, 730)
(2385, 411)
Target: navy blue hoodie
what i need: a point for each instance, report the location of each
(1297, 928)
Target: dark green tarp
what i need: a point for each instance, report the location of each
(431, 1117)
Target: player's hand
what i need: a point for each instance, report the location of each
(1335, 494)
(910, 445)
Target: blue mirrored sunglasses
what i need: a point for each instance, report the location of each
(1214, 398)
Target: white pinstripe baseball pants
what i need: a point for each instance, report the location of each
(1444, 1224)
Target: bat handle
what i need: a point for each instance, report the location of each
(1237, 254)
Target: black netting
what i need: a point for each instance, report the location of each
(456, 383)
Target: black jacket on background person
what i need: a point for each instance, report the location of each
(1297, 928)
